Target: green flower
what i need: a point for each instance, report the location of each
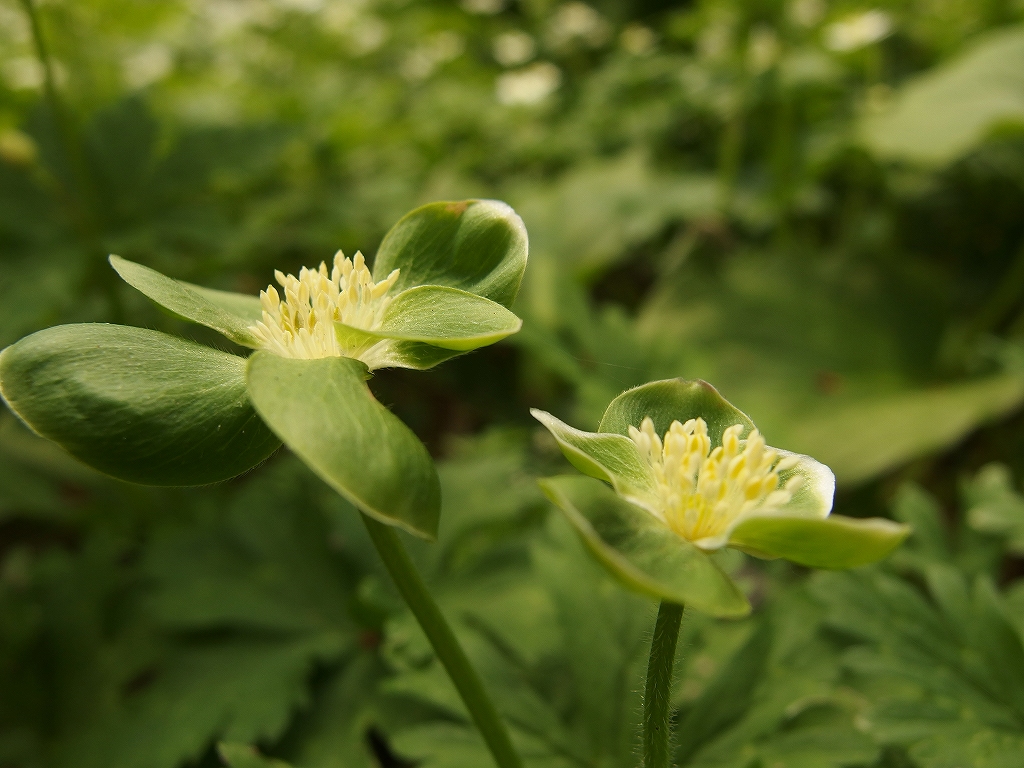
(147, 407)
(689, 475)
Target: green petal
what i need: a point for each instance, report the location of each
(641, 551)
(446, 318)
(673, 400)
(612, 458)
(325, 413)
(478, 246)
(228, 313)
(139, 405)
(833, 542)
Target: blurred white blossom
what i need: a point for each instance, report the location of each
(528, 85)
(762, 49)
(147, 65)
(637, 39)
(438, 49)
(513, 48)
(858, 31)
(806, 13)
(578, 21)
(23, 73)
(483, 7)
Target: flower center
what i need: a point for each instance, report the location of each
(702, 492)
(302, 324)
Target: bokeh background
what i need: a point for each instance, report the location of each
(816, 206)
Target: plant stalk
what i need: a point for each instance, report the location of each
(659, 686)
(443, 640)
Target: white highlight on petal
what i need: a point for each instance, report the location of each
(703, 493)
(301, 325)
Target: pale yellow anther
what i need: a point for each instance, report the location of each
(302, 324)
(703, 492)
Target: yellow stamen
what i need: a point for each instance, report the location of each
(702, 492)
(302, 325)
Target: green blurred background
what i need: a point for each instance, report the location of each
(816, 206)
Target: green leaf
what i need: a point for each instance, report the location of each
(443, 317)
(831, 542)
(478, 246)
(903, 426)
(228, 313)
(612, 458)
(325, 413)
(996, 507)
(673, 400)
(642, 552)
(245, 756)
(948, 110)
(139, 405)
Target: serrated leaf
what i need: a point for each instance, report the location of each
(831, 542)
(139, 405)
(478, 246)
(442, 317)
(673, 400)
(325, 413)
(228, 313)
(642, 551)
(995, 506)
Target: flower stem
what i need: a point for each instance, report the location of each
(659, 685)
(446, 646)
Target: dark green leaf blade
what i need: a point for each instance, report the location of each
(831, 542)
(642, 552)
(137, 404)
(673, 400)
(228, 313)
(325, 413)
(478, 246)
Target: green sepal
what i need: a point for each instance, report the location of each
(137, 404)
(612, 458)
(228, 313)
(673, 400)
(325, 413)
(641, 551)
(831, 542)
(479, 246)
(442, 317)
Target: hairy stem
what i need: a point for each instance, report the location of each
(446, 646)
(659, 685)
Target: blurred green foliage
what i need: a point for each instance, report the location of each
(818, 207)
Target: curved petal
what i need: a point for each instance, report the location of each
(478, 246)
(817, 489)
(641, 551)
(832, 542)
(137, 404)
(442, 317)
(612, 458)
(325, 413)
(228, 313)
(673, 400)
